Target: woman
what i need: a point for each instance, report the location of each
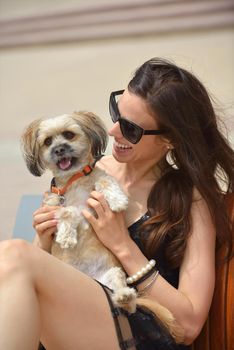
(176, 214)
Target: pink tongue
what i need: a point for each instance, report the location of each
(65, 163)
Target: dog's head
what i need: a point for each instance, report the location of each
(64, 144)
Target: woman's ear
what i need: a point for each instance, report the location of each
(168, 143)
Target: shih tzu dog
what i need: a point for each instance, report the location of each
(68, 146)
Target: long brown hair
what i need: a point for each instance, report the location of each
(202, 156)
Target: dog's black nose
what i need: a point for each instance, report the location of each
(60, 150)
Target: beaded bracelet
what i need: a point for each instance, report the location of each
(142, 279)
(144, 273)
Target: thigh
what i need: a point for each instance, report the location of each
(75, 313)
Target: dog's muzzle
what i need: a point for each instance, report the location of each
(62, 156)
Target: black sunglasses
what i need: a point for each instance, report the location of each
(131, 131)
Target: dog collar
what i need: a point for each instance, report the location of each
(61, 191)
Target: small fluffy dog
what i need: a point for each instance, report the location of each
(68, 145)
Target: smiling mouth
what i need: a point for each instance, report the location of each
(122, 146)
(66, 163)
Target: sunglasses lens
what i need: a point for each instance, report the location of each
(130, 131)
(113, 109)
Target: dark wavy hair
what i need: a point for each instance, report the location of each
(202, 155)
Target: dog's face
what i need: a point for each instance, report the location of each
(63, 144)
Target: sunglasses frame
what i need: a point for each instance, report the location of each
(113, 106)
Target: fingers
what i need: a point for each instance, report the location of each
(101, 212)
(46, 228)
(96, 206)
(99, 198)
(98, 203)
(45, 209)
(89, 217)
(44, 221)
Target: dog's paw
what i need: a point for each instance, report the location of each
(66, 243)
(112, 192)
(52, 199)
(126, 298)
(66, 238)
(118, 201)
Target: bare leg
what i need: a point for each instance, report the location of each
(17, 329)
(40, 295)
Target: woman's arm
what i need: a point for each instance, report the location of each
(190, 303)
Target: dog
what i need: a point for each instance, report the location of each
(68, 146)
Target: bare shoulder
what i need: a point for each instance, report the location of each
(200, 211)
(203, 232)
(196, 195)
(107, 163)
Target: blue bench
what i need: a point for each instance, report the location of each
(23, 222)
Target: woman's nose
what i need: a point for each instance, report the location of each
(115, 130)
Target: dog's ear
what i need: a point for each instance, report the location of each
(31, 149)
(94, 129)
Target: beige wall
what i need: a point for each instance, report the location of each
(51, 80)
(10, 8)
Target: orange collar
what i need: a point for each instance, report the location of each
(61, 191)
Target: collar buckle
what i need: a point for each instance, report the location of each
(87, 170)
(61, 199)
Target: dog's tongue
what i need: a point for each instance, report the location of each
(64, 163)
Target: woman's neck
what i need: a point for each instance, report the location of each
(134, 173)
(131, 174)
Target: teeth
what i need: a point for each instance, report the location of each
(122, 146)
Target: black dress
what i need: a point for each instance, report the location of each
(149, 334)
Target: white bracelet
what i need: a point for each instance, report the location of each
(142, 272)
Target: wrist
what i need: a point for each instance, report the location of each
(46, 247)
(124, 251)
(131, 257)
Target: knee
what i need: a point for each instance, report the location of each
(14, 255)
(16, 248)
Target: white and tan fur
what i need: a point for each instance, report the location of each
(82, 137)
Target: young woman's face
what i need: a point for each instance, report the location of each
(150, 147)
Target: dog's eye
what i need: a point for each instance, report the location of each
(69, 135)
(48, 141)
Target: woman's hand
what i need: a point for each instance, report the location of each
(45, 224)
(109, 226)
